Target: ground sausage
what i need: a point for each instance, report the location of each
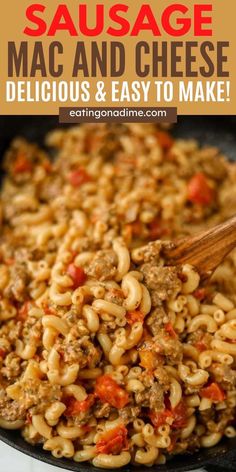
(17, 290)
(152, 397)
(163, 280)
(103, 266)
(224, 375)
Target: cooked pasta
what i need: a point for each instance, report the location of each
(107, 354)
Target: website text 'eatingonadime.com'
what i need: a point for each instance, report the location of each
(117, 114)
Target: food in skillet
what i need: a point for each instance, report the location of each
(107, 354)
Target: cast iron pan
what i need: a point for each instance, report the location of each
(217, 131)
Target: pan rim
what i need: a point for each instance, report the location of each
(218, 453)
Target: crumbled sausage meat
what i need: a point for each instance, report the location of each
(152, 397)
(129, 413)
(156, 320)
(82, 351)
(114, 295)
(102, 410)
(163, 280)
(12, 366)
(11, 410)
(162, 376)
(224, 375)
(17, 290)
(150, 252)
(103, 265)
(32, 393)
(170, 347)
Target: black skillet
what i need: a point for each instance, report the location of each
(219, 131)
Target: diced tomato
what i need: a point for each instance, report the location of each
(113, 441)
(2, 353)
(179, 416)
(79, 177)
(86, 404)
(9, 261)
(156, 229)
(200, 346)
(77, 274)
(213, 392)
(74, 407)
(136, 228)
(170, 330)
(200, 293)
(23, 312)
(86, 428)
(108, 390)
(159, 419)
(134, 316)
(22, 164)
(165, 139)
(199, 191)
(48, 310)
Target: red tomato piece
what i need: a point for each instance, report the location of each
(136, 228)
(48, 310)
(74, 407)
(199, 191)
(165, 139)
(156, 229)
(213, 392)
(159, 419)
(22, 164)
(10, 261)
(170, 330)
(77, 274)
(108, 390)
(179, 416)
(86, 428)
(200, 293)
(178, 413)
(134, 316)
(113, 441)
(23, 311)
(79, 177)
(2, 353)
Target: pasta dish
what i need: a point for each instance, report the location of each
(107, 353)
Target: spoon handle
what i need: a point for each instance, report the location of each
(207, 249)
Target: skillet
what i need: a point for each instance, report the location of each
(218, 131)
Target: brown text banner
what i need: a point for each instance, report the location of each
(117, 114)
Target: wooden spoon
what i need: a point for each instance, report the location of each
(206, 250)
